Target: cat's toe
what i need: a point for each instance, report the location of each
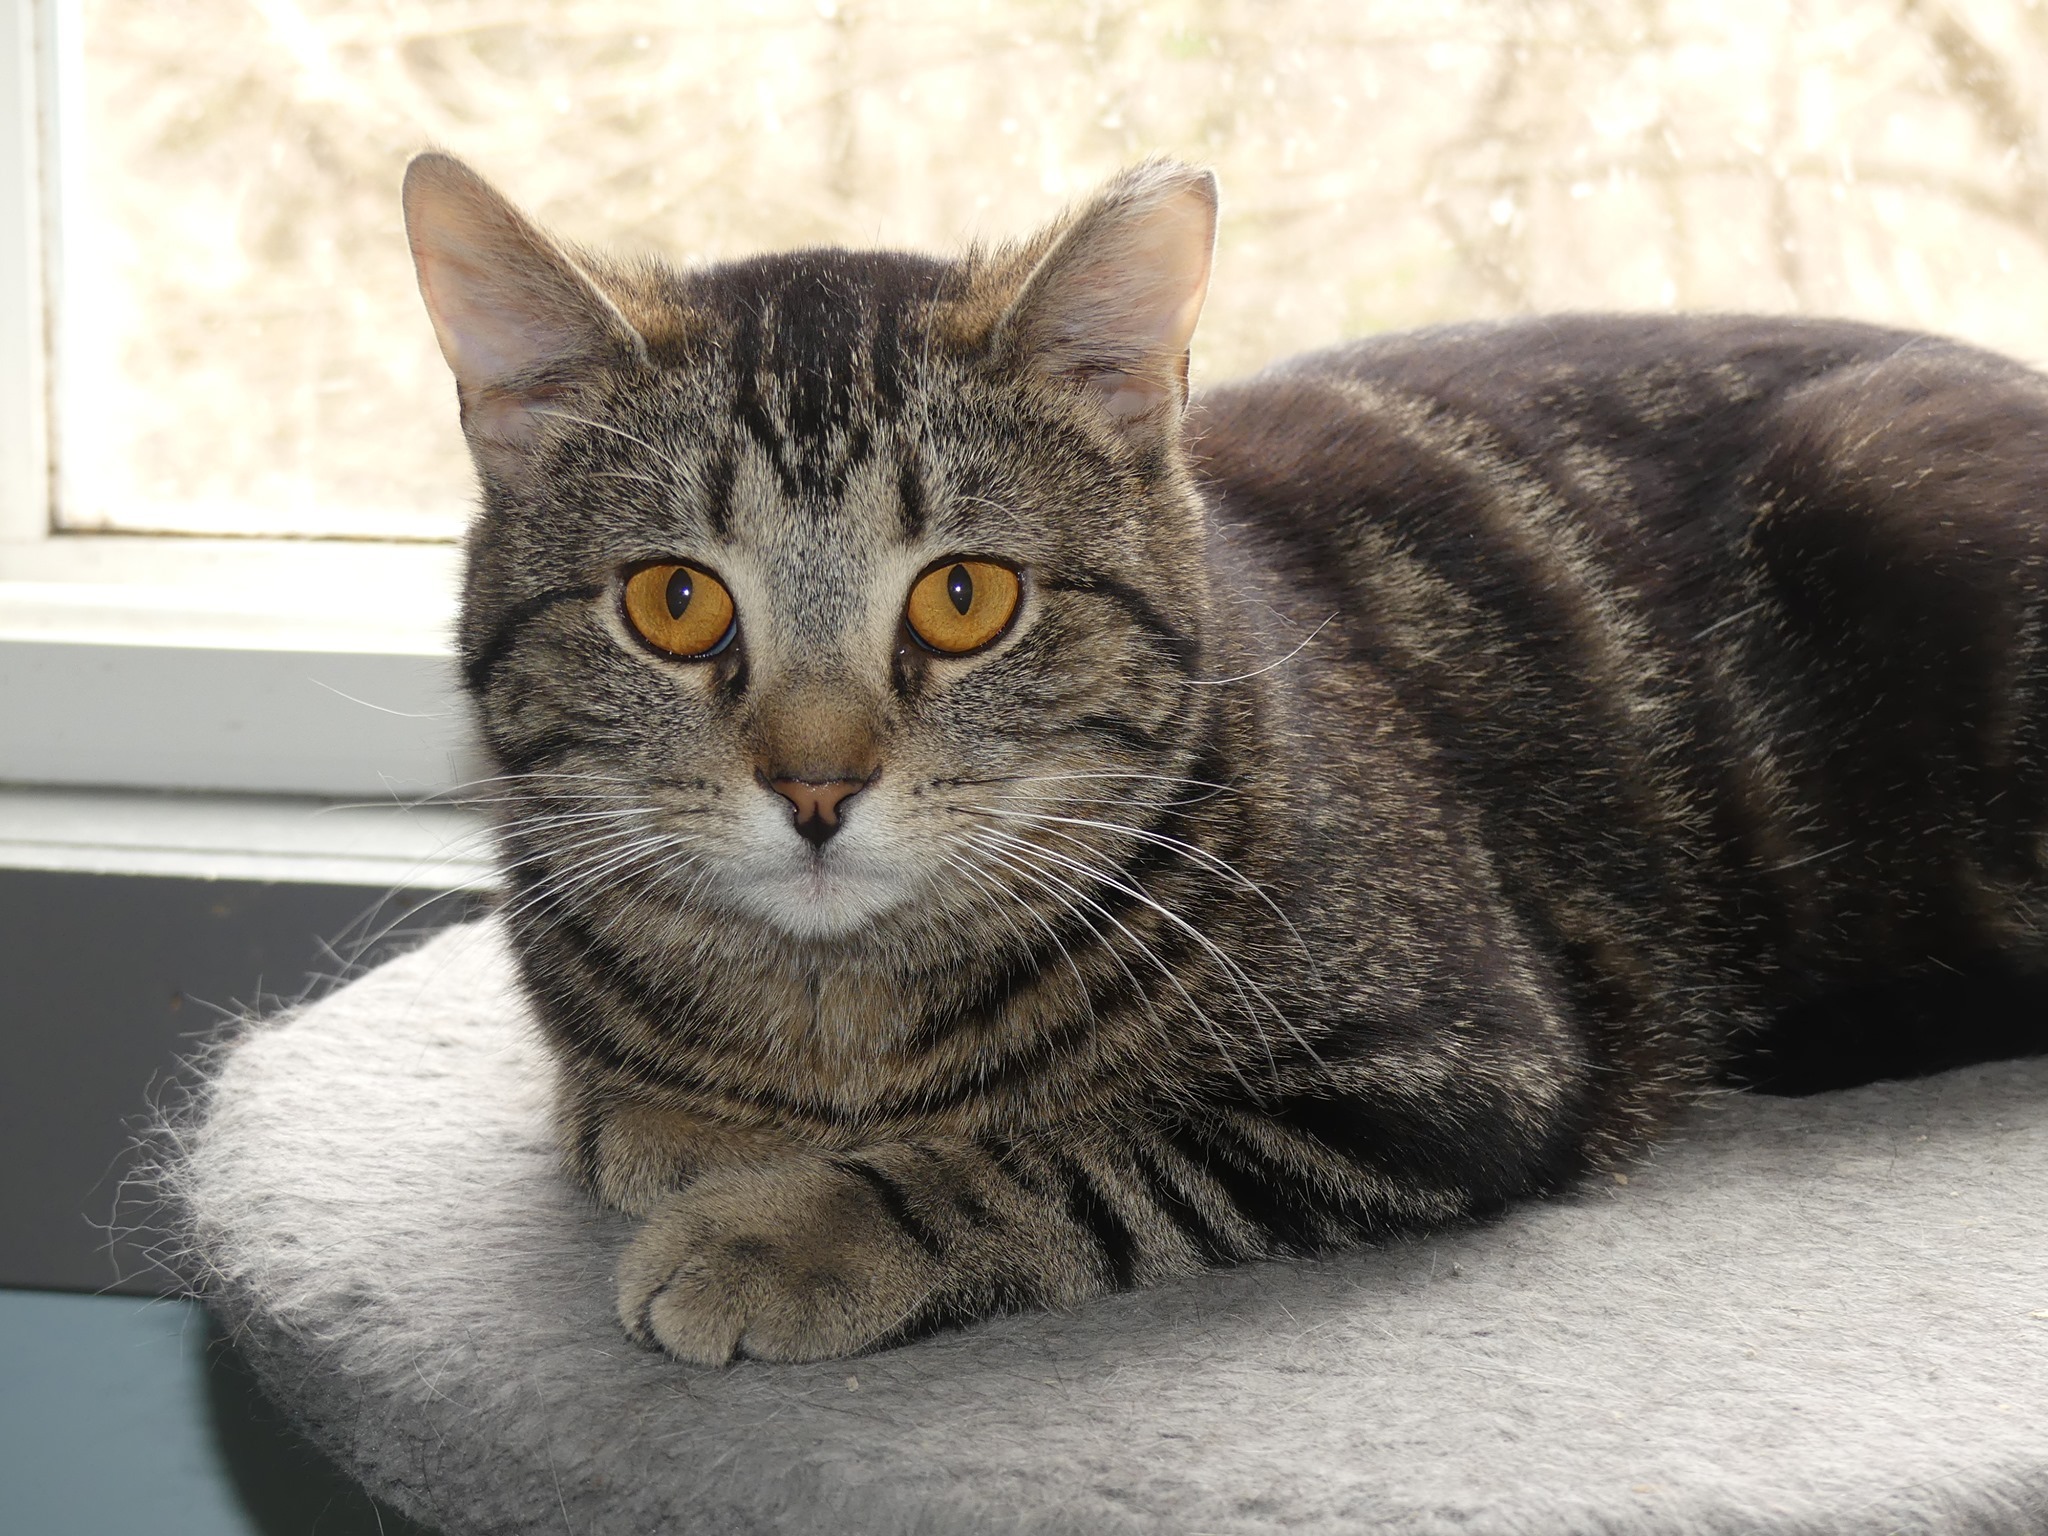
(669, 1316)
(770, 1264)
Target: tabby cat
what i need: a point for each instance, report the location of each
(983, 829)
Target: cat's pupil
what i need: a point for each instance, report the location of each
(679, 592)
(960, 588)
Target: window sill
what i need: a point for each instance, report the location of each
(283, 594)
(256, 667)
(244, 837)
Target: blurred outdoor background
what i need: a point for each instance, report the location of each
(241, 346)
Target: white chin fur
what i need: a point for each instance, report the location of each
(813, 898)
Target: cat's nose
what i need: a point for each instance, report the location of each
(816, 802)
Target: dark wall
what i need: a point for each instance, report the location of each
(107, 984)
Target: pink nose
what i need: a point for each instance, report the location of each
(816, 803)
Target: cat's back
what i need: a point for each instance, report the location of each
(1643, 414)
(1759, 589)
(1624, 455)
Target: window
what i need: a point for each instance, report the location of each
(225, 433)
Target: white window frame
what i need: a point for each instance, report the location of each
(258, 673)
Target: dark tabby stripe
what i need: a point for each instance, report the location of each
(1293, 1215)
(719, 473)
(1181, 649)
(1120, 897)
(1418, 1143)
(541, 750)
(830, 486)
(895, 1204)
(1119, 732)
(753, 415)
(1091, 1210)
(910, 502)
(1209, 1244)
(586, 1136)
(583, 985)
(1020, 973)
(479, 664)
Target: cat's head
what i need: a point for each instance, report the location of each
(807, 588)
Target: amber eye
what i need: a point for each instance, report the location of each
(962, 605)
(679, 609)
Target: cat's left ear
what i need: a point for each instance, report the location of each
(1111, 307)
(516, 317)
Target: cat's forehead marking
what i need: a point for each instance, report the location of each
(808, 405)
(859, 513)
(816, 349)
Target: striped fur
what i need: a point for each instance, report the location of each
(1412, 772)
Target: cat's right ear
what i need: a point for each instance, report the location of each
(517, 320)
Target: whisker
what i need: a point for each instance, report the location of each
(1246, 987)
(542, 828)
(594, 867)
(1215, 1033)
(627, 474)
(1129, 799)
(555, 885)
(1066, 893)
(459, 796)
(554, 819)
(567, 831)
(621, 432)
(1093, 773)
(683, 906)
(1302, 645)
(1187, 850)
(681, 862)
(966, 867)
(486, 840)
(583, 855)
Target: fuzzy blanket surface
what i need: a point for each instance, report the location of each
(1826, 1315)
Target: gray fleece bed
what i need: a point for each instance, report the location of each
(1824, 1315)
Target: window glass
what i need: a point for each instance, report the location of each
(241, 346)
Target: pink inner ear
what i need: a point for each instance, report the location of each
(1125, 396)
(491, 333)
(502, 416)
(508, 305)
(483, 342)
(496, 323)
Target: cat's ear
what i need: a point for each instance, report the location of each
(1111, 306)
(517, 319)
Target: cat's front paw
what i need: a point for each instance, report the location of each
(791, 1260)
